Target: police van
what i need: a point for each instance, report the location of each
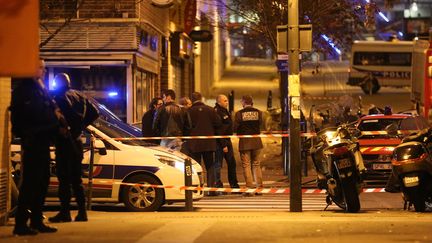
(374, 64)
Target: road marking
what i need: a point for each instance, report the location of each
(177, 232)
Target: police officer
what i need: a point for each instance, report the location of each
(248, 122)
(79, 113)
(224, 148)
(36, 120)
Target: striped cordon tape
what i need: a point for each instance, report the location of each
(263, 135)
(242, 190)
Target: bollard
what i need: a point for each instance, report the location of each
(90, 175)
(269, 100)
(188, 182)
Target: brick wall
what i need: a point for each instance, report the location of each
(158, 17)
(5, 94)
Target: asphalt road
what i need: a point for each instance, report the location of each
(252, 226)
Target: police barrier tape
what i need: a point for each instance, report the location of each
(241, 190)
(262, 135)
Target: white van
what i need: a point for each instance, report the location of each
(380, 63)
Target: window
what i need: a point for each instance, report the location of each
(377, 124)
(409, 124)
(382, 59)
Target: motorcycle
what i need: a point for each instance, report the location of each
(412, 168)
(338, 163)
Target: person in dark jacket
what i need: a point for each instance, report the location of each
(224, 148)
(79, 113)
(36, 120)
(148, 118)
(205, 122)
(171, 120)
(248, 122)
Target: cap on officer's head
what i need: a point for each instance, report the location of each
(62, 81)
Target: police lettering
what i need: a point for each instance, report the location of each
(250, 116)
(396, 74)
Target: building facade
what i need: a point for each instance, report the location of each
(113, 50)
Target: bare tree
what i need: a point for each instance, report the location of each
(339, 20)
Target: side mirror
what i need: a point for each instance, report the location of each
(100, 147)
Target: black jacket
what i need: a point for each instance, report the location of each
(77, 110)
(248, 122)
(147, 123)
(205, 122)
(171, 120)
(33, 112)
(227, 125)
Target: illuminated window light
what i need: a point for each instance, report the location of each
(330, 42)
(414, 7)
(112, 94)
(384, 17)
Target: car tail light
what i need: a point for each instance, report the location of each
(408, 161)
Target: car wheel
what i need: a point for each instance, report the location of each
(142, 198)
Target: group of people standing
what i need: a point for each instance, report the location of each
(192, 117)
(41, 121)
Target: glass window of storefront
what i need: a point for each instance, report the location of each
(144, 92)
(107, 84)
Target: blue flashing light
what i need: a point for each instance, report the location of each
(400, 34)
(112, 94)
(384, 17)
(52, 85)
(330, 42)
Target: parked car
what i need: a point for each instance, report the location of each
(376, 145)
(117, 162)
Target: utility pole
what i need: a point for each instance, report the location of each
(294, 100)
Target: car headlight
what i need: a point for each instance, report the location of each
(176, 163)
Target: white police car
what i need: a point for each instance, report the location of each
(118, 162)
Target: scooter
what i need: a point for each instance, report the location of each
(338, 163)
(412, 166)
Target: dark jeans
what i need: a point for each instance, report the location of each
(35, 180)
(208, 158)
(231, 163)
(69, 155)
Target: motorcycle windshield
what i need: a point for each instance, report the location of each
(409, 152)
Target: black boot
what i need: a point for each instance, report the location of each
(61, 217)
(43, 228)
(81, 216)
(21, 218)
(24, 230)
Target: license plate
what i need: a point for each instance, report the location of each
(344, 163)
(381, 166)
(411, 181)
